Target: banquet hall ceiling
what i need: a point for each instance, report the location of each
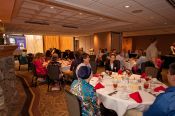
(89, 16)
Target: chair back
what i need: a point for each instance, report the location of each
(152, 71)
(53, 71)
(73, 104)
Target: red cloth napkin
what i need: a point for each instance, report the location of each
(99, 86)
(143, 75)
(136, 96)
(96, 75)
(160, 88)
(119, 72)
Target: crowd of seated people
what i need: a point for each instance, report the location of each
(81, 87)
(111, 61)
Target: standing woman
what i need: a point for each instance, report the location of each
(112, 64)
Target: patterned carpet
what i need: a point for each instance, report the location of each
(46, 103)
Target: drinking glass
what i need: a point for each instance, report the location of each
(110, 72)
(146, 85)
(115, 84)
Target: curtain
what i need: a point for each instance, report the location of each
(51, 42)
(34, 43)
(66, 42)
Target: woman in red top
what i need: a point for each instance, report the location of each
(38, 62)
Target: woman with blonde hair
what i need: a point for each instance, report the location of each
(38, 62)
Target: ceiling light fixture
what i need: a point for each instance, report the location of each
(127, 6)
(80, 13)
(51, 7)
(0, 20)
(100, 18)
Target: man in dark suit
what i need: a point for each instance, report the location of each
(112, 64)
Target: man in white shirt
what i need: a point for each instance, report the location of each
(152, 52)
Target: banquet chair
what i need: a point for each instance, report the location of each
(152, 71)
(54, 74)
(36, 76)
(73, 104)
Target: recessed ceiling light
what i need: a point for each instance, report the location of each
(127, 6)
(80, 13)
(0, 20)
(51, 7)
(100, 18)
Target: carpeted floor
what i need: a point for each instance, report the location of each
(45, 103)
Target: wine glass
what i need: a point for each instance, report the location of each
(110, 73)
(115, 84)
(146, 85)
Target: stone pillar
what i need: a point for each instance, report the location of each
(8, 93)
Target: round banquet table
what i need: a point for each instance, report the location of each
(115, 101)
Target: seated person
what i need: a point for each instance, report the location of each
(120, 57)
(48, 55)
(54, 60)
(173, 48)
(137, 68)
(38, 62)
(112, 64)
(75, 63)
(85, 92)
(55, 73)
(164, 105)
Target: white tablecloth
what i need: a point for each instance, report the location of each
(65, 68)
(65, 65)
(115, 102)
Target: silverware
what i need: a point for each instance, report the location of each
(110, 94)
